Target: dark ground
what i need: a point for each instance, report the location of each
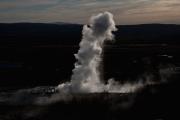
(153, 103)
(34, 54)
(42, 55)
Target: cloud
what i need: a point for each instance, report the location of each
(78, 11)
(5, 4)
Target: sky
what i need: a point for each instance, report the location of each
(79, 11)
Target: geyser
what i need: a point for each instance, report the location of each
(86, 75)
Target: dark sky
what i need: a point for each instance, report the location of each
(79, 11)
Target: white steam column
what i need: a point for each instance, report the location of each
(86, 75)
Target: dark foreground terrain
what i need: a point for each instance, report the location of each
(42, 55)
(35, 54)
(160, 102)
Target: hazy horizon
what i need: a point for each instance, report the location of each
(126, 12)
(69, 23)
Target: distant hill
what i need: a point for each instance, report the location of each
(148, 33)
(20, 34)
(39, 33)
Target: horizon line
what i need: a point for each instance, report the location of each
(69, 23)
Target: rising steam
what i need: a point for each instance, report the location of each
(86, 74)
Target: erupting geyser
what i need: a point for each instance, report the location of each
(86, 76)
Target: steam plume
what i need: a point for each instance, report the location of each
(86, 76)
